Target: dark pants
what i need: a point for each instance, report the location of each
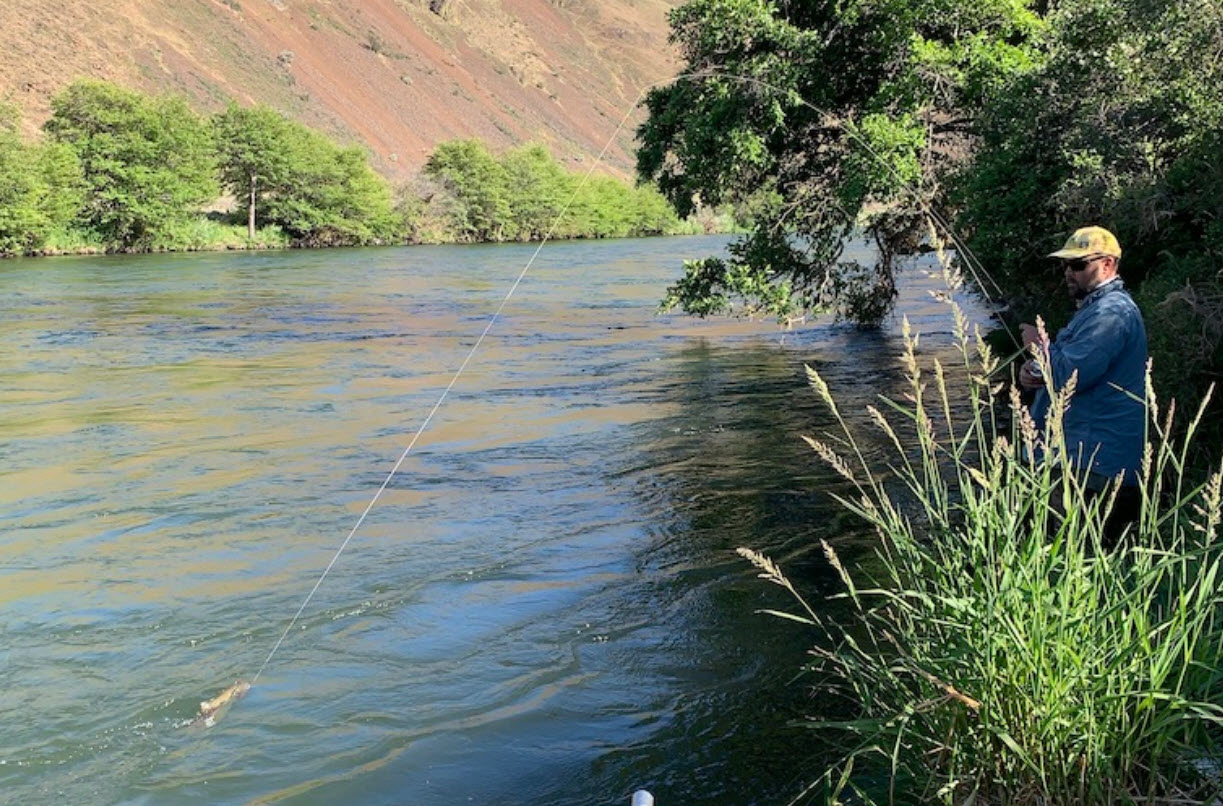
(1124, 513)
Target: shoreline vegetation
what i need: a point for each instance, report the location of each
(995, 651)
(118, 171)
(216, 234)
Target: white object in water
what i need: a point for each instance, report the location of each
(642, 798)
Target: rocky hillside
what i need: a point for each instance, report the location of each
(398, 76)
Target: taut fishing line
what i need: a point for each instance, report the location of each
(458, 373)
(962, 249)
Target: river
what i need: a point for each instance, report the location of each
(543, 607)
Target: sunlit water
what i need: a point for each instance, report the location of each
(544, 607)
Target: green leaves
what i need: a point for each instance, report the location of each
(287, 175)
(1016, 120)
(1118, 124)
(22, 226)
(134, 171)
(147, 162)
(40, 191)
(138, 169)
(527, 195)
(852, 113)
(478, 184)
(999, 654)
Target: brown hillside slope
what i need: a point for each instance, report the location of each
(390, 74)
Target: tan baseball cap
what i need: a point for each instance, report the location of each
(1089, 241)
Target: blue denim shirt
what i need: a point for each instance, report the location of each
(1106, 341)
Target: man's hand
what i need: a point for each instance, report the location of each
(1030, 334)
(1027, 380)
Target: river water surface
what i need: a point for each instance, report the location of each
(544, 607)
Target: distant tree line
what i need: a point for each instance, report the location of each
(118, 170)
(467, 194)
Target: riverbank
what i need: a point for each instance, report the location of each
(210, 235)
(120, 171)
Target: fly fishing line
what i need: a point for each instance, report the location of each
(962, 249)
(453, 380)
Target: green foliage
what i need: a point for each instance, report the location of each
(711, 286)
(332, 197)
(468, 194)
(20, 222)
(823, 119)
(1120, 126)
(300, 181)
(996, 652)
(119, 170)
(40, 189)
(536, 189)
(71, 240)
(10, 117)
(64, 179)
(1017, 121)
(208, 233)
(253, 153)
(476, 181)
(603, 207)
(148, 162)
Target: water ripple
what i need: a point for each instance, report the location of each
(545, 605)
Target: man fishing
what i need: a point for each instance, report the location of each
(1105, 343)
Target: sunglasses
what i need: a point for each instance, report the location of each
(1080, 264)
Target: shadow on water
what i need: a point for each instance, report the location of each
(729, 469)
(546, 606)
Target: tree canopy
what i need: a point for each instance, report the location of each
(821, 120)
(252, 153)
(476, 183)
(40, 191)
(123, 171)
(148, 162)
(1013, 121)
(525, 194)
(287, 175)
(1121, 125)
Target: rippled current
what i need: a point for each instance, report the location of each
(544, 607)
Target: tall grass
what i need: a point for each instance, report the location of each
(71, 241)
(201, 233)
(996, 653)
(194, 233)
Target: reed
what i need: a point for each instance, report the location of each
(996, 652)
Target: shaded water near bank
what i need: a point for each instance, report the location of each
(544, 607)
